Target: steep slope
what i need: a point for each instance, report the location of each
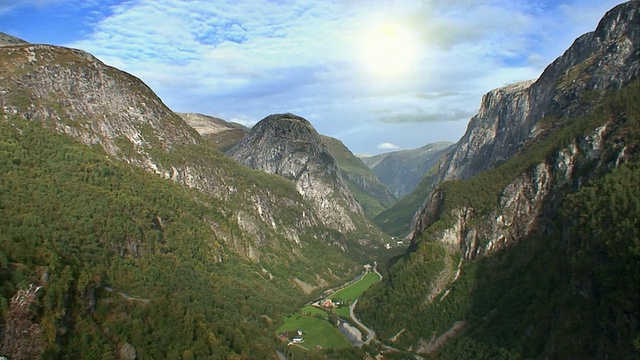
(222, 134)
(513, 256)
(191, 233)
(6, 39)
(509, 120)
(123, 259)
(398, 220)
(402, 171)
(289, 146)
(364, 185)
(70, 91)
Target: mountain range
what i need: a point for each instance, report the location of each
(130, 231)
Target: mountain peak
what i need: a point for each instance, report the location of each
(289, 146)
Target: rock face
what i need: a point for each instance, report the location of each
(509, 122)
(76, 94)
(222, 134)
(401, 171)
(289, 146)
(10, 40)
(602, 60)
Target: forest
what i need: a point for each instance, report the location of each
(127, 260)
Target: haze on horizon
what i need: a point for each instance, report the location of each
(378, 75)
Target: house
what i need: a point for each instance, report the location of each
(367, 268)
(387, 246)
(327, 303)
(297, 339)
(299, 332)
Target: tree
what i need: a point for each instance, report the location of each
(21, 337)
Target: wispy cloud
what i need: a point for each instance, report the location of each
(388, 146)
(419, 116)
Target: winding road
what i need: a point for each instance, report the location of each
(370, 333)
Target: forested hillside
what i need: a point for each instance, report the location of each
(567, 290)
(128, 260)
(372, 195)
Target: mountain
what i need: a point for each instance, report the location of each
(402, 171)
(222, 134)
(527, 244)
(139, 236)
(289, 146)
(363, 183)
(398, 220)
(411, 174)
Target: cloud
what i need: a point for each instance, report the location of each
(388, 146)
(7, 6)
(424, 117)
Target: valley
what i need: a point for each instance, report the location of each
(129, 231)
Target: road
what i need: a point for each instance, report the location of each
(370, 333)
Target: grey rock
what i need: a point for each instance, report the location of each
(289, 146)
(508, 121)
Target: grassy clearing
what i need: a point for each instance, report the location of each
(313, 321)
(353, 291)
(316, 332)
(312, 310)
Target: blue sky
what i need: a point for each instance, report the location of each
(378, 75)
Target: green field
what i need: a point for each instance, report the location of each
(353, 291)
(316, 332)
(312, 310)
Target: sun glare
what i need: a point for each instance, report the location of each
(388, 50)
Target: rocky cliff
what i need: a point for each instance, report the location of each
(597, 63)
(527, 247)
(289, 146)
(513, 118)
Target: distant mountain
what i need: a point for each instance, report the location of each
(222, 134)
(363, 183)
(402, 171)
(526, 245)
(398, 220)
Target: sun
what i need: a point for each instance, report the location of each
(388, 50)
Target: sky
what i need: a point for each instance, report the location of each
(378, 75)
